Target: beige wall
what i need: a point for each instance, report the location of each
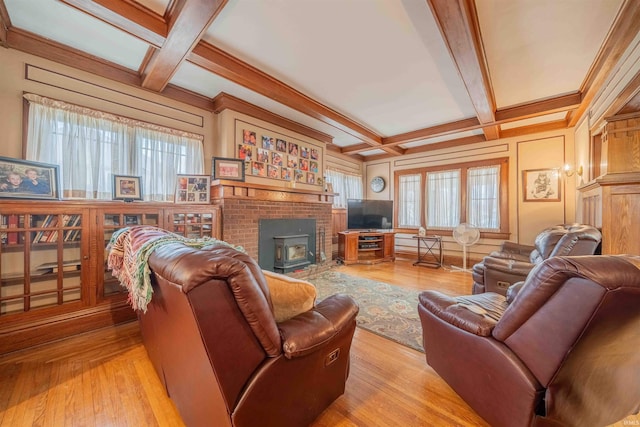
(23, 73)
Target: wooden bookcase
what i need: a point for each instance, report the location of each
(54, 280)
(360, 247)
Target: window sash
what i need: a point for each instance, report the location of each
(443, 199)
(409, 200)
(483, 197)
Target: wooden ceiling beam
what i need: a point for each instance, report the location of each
(225, 101)
(622, 32)
(458, 23)
(536, 128)
(546, 106)
(130, 18)
(187, 24)
(474, 139)
(227, 66)
(433, 131)
(5, 23)
(38, 46)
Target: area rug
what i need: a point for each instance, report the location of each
(386, 310)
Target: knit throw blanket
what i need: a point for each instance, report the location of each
(129, 250)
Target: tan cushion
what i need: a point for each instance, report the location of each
(289, 296)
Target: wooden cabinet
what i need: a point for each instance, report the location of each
(355, 247)
(54, 280)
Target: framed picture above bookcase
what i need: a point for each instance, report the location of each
(273, 155)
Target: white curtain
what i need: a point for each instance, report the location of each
(91, 146)
(483, 200)
(443, 199)
(349, 186)
(409, 200)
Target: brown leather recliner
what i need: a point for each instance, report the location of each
(511, 264)
(211, 335)
(562, 351)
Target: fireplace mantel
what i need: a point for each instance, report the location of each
(227, 189)
(245, 204)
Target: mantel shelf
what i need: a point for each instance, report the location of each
(227, 189)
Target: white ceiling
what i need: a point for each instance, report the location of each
(382, 64)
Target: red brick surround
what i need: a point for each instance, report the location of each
(244, 204)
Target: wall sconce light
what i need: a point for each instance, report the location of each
(569, 170)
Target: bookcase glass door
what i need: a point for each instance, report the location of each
(40, 261)
(111, 222)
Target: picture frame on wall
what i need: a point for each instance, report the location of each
(541, 185)
(24, 179)
(227, 168)
(193, 189)
(127, 188)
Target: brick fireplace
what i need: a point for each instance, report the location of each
(245, 204)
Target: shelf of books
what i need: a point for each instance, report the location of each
(39, 260)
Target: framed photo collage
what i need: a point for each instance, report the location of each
(268, 155)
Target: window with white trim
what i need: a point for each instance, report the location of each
(90, 147)
(452, 194)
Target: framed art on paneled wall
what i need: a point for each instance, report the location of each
(272, 155)
(541, 185)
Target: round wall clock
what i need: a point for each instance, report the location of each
(377, 184)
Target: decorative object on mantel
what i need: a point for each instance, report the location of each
(193, 189)
(422, 232)
(127, 188)
(225, 168)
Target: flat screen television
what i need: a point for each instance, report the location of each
(369, 214)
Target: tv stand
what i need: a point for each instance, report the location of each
(366, 247)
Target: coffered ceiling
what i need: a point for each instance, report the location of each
(377, 77)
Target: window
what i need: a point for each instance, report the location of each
(483, 197)
(409, 200)
(469, 192)
(443, 199)
(348, 186)
(90, 147)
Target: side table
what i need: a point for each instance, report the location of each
(431, 256)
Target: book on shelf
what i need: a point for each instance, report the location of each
(12, 222)
(54, 267)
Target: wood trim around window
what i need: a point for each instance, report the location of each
(503, 233)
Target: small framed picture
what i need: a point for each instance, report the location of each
(127, 188)
(193, 189)
(541, 185)
(24, 179)
(224, 168)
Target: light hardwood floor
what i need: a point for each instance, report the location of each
(104, 378)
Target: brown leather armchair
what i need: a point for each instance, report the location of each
(511, 264)
(211, 335)
(562, 351)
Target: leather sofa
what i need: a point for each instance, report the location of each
(511, 264)
(560, 351)
(211, 335)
